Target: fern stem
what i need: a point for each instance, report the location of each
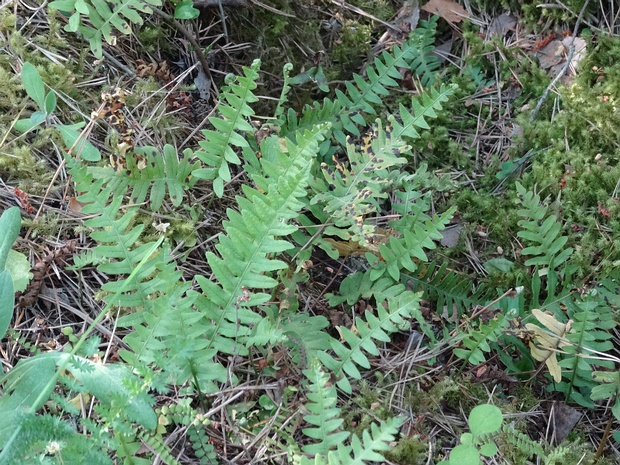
(4, 455)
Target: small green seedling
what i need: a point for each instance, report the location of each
(47, 104)
(484, 421)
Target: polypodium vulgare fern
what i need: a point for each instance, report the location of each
(218, 148)
(350, 192)
(326, 428)
(163, 174)
(107, 18)
(252, 237)
(374, 327)
(590, 340)
(345, 112)
(117, 239)
(541, 233)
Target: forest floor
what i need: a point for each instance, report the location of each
(534, 105)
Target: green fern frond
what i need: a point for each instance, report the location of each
(590, 339)
(373, 328)
(345, 112)
(351, 192)
(167, 173)
(106, 16)
(251, 239)
(522, 442)
(118, 243)
(369, 449)
(545, 244)
(324, 412)
(400, 253)
(424, 106)
(452, 291)
(476, 341)
(218, 148)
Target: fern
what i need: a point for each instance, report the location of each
(217, 150)
(225, 317)
(345, 112)
(424, 106)
(118, 242)
(323, 407)
(522, 442)
(107, 18)
(476, 342)
(167, 173)
(590, 339)
(545, 244)
(451, 291)
(373, 328)
(400, 253)
(351, 193)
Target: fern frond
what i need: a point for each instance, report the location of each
(452, 291)
(218, 146)
(107, 18)
(522, 442)
(345, 112)
(590, 339)
(545, 244)
(117, 242)
(245, 251)
(322, 405)
(477, 341)
(373, 328)
(369, 449)
(424, 106)
(400, 253)
(162, 174)
(350, 193)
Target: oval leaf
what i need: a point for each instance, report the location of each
(485, 419)
(33, 84)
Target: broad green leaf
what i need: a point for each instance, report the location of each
(33, 84)
(50, 102)
(464, 455)
(23, 125)
(498, 265)
(485, 418)
(37, 118)
(63, 5)
(489, 449)
(74, 22)
(70, 134)
(186, 10)
(7, 301)
(18, 267)
(10, 223)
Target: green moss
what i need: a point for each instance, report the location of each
(408, 451)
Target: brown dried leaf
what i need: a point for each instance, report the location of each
(447, 9)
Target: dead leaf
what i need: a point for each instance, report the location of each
(551, 54)
(545, 342)
(564, 420)
(502, 24)
(447, 9)
(74, 205)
